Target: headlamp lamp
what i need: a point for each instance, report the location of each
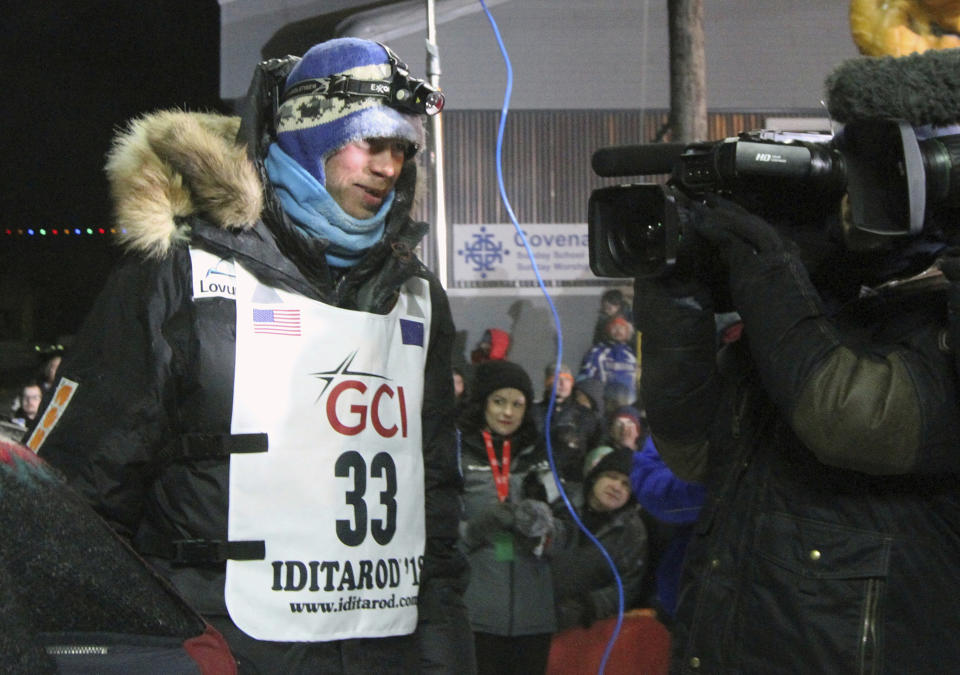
(402, 91)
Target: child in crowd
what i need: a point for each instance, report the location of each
(614, 360)
(612, 303)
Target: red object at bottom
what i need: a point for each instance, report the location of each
(642, 647)
(211, 653)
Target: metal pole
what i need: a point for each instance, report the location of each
(436, 149)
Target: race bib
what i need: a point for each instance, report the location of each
(338, 496)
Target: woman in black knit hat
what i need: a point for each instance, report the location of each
(506, 530)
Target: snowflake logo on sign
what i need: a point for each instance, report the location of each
(484, 252)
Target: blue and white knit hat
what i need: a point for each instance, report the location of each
(311, 128)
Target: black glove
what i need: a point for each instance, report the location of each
(771, 290)
(482, 528)
(733, 229)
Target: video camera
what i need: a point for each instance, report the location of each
(892, 179)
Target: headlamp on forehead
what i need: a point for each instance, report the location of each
(402, 91)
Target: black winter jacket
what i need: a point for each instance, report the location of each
(146, 437)
(583, 583)
(830, 452)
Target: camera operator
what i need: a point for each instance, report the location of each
(828, 438)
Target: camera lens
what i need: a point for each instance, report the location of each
(642, 243)
(646, 241)
(633, 230)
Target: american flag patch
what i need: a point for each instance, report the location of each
(276, 321)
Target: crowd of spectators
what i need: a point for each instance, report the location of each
(535, 570)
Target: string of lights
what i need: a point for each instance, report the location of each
(61, 231)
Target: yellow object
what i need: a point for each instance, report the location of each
(901, 27)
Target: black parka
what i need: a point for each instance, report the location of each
(830, 448)
(582, 577)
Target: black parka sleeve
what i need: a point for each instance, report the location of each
(120, 413)
(443, 625)
(880, 402)
(880, 406)
(678, 369)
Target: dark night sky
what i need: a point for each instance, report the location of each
(73, 70)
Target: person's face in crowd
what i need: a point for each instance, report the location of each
(30, 399)
(504, 411)
(625, 431)
(609, 308)
(610, 491)
(486, 342)
(50, 369)
(564, 386)
(619, 331)
(360, 175)
(457, 385)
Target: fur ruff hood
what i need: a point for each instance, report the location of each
(168, 166)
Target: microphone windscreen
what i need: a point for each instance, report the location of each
(636, 160)
(919, 88)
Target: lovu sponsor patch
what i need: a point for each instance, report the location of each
(213, 277)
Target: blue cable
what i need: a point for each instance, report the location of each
(556, 321)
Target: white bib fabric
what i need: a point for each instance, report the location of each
(338, 498)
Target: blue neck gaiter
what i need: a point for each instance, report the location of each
(315, 212)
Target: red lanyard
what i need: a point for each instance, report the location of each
(501, 476)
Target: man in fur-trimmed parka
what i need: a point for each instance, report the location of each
(261, 397)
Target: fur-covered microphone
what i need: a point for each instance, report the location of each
(920, 89)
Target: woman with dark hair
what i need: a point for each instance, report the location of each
(506, 523)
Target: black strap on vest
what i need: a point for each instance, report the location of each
(192, 447)
(199, 552)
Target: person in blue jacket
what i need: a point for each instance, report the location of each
(675, 504)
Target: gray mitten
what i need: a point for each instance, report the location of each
(533, 522)
(533, 518)
(482, 528)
